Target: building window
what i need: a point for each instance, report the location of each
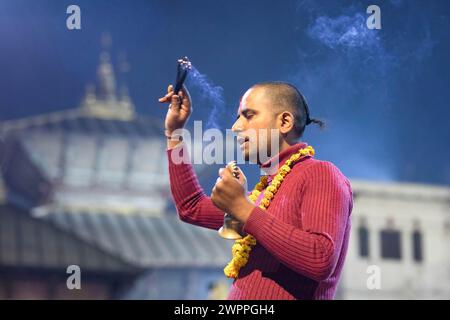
(363, 240)
(391, 244)
(417, 246)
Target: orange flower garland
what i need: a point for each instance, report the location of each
(242, 247)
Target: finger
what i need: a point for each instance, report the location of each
(226, 173)
(175, 101)
(216, 189)
(221, 172)
(242, 177)
(166, 98)
(169, 88)
(184, 100)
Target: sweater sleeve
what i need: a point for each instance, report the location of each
(193, 206)
(312, 250)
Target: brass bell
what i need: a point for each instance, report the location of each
(232, 228)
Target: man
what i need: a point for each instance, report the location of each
(302, 237)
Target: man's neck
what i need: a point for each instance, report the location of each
(286, 145)
(283, 145)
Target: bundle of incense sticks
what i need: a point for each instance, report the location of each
(183, 67)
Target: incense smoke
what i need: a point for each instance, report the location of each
(349, 73)
(211, 96)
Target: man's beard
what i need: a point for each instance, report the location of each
(253, 154)
(260, 148)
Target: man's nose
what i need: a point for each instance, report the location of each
(237, 127)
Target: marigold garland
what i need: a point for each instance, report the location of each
(242, 247)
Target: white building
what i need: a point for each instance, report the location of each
(399, 243)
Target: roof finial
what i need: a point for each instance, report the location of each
(105, 103)
(105, 72)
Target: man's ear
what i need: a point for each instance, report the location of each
(286, 121)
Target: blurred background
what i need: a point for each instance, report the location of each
(84, 177)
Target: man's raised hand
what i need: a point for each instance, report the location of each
(180, 109)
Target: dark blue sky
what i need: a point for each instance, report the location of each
(384, 93)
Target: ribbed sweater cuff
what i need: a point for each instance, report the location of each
(257, 222)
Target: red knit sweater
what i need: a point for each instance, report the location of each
(301, 238)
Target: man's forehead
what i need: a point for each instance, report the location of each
(241, 105)
(245, 100)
